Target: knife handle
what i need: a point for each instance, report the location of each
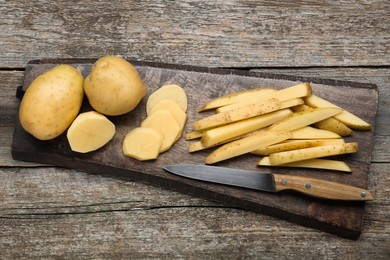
(320, 188)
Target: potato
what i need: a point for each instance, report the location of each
(345, 117)
(312, 163)
(89, 132)
(225, 132)
(305, 118)
(52, 102)
(330, 124)
(237, 114)
(246, 145)
(114, 86)
(170, 91)
(166, 125)
(142, 144)
(296, 144)
(173, 107)
(235, 97)
(309, 132)
(312, 153)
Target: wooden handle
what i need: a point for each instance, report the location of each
(321, 188)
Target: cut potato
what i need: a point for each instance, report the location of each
(226, 132)
(173, 107)
(237, 114)
(312, 153)
(170, 91)
(284, 104)
(345, 117)
(312, 163)
(142, 144)
(89, 132)
(246, 145)
(237, 97)
(305, 118)
(296, 144)
(330, 124)
(195, 134)
(166, 125)
(309, 132)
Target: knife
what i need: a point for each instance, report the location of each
(270, 182)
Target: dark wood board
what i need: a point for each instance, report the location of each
(344, 219)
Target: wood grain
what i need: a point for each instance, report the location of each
(92, 216)
(211, 34)
(202, 84)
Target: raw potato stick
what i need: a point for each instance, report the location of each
(246, 145)
(330, 124)
(345, 117)
(296, 144)
(226, 132)
(309, 132)
(305, 118)
(238, 114)
(235, 97)
(312, 152)
(311, 163)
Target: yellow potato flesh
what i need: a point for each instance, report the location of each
(89, 132)
(312, 153)
(114, 86)
(222, 133)
(312, 163)
(52, 102)
(237, 114)
(142, 144)
(309, 132)
(345, 117)
(245, 95)
(246, 145)
(166, 125)
(173, 107)
(170, 91)
(296, 144)
(305, 118)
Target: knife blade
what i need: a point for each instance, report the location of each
(270, 182)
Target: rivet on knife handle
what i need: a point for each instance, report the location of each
(321, 188)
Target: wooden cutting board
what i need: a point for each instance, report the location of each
(344, 219)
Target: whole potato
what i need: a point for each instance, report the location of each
(114, 86)
(52, 102)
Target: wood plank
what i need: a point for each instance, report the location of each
(211, 34)
(51, 212)
(293, 207)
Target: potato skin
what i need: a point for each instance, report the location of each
(114, 86)
(52, 102)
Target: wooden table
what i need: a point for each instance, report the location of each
(51, 212)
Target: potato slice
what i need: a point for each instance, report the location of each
(330, 124)
(305, 118)
(173, 107)
(312, 153)
(237, 114)
(345, 117)
(311, 163)
(166, 125)
(296, 144)
(237, 97)
(246, 145)
(309, 132)
(284, 104)
(226, 132)
(142, 144)
(170, 91)
(89, 132)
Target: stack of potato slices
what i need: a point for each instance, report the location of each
(290, 127)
